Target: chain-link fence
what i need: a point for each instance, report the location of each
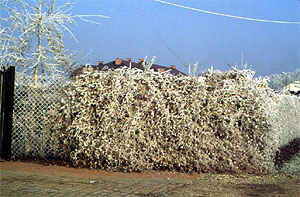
(35, 108)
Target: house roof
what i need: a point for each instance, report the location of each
(118, 63)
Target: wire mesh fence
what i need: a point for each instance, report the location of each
(35, 108)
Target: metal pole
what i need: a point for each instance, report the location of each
(7, 109)
(2, 73)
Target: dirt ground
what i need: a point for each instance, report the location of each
(35, 178)
(54, 168)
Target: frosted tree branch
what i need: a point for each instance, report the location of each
(32, 35)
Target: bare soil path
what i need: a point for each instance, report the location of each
(36, 178)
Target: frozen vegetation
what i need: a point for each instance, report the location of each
(130, 120)
(278, 81)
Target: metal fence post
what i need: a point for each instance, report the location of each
(7, 98)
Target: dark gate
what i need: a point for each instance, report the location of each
(7, 78)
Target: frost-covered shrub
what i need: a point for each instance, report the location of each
(293, 166)
(284, 117)
(129, 120)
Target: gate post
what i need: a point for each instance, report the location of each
(7, 100)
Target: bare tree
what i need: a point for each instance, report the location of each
(279, 81)
(32, 35)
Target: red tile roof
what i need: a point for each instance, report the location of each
(122, 63)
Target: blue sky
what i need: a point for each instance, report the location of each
(178, 36)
